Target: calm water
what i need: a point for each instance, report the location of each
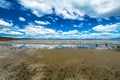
(63, 44)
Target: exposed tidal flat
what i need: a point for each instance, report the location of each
(20, 60)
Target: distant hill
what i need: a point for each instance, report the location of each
(6, 38)
(11, 38)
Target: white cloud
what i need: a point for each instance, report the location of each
(10, 31)
(5, 4)
(42, 22)
(14, 33)
(4, 23)
(72, 32)
(38, 7)
(74, 9)
(100, 35)
(8, 28)
(37, 31)
(22, 19)
(34, 31)
(4, 30)
(85, 32)
(107, 28)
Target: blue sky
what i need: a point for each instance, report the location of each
(61, 19)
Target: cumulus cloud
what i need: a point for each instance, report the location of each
(5, 23)
(40, 31)
(107, 28)
(8, 28)
(32, 30)
(42, 22)
(71, 32)
(22, 19)
(73, 9)
(5, 4)
(35, 31)
(15, 33)
(100, 35)
(38, 7)
(10, 31)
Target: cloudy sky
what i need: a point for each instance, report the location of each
(61, 19)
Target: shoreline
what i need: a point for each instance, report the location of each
(63, 44)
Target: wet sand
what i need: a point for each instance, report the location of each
(58, 64)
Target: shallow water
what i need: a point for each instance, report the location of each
(62, 44)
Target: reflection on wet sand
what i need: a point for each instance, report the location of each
(63, 44)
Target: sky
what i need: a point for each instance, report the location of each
(60, 19)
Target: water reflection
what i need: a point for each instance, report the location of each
(61, 46)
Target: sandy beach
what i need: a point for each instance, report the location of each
(58, 64)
